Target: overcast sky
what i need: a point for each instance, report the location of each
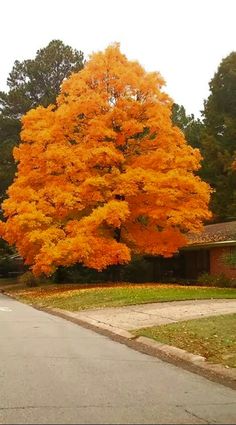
(184, 40)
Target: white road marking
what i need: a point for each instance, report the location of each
(5, 309)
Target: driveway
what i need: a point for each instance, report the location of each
(154, 314)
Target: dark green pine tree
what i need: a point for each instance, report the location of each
(218, 140)
(190, 126)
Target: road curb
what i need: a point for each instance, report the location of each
(170, 350)
(98, 324)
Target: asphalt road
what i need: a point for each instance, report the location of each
(54, 372)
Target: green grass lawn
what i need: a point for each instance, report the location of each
(211, 337)
(79, 297)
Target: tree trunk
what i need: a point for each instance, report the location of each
(116, 272)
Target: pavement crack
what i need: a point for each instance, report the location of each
(102, 322)
(198, 417)
(82, 406)
(228, 403)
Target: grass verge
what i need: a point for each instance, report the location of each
(81, 297)
(211, 337)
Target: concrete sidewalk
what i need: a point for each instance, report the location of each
(145, 315)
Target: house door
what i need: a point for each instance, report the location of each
(197, 262)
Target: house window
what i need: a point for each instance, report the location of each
(231, 257)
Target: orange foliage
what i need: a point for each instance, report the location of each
(103, 173)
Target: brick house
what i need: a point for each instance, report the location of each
(207, 250)
(204, 253)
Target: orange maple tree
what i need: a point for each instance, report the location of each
(103, 173)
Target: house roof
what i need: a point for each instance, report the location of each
(214, 234)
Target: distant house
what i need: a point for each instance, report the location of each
(204, 253)
(11, 265)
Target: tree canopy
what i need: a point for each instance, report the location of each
(191, 127)
(34, 82)
(218, 140)
(103, 173)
